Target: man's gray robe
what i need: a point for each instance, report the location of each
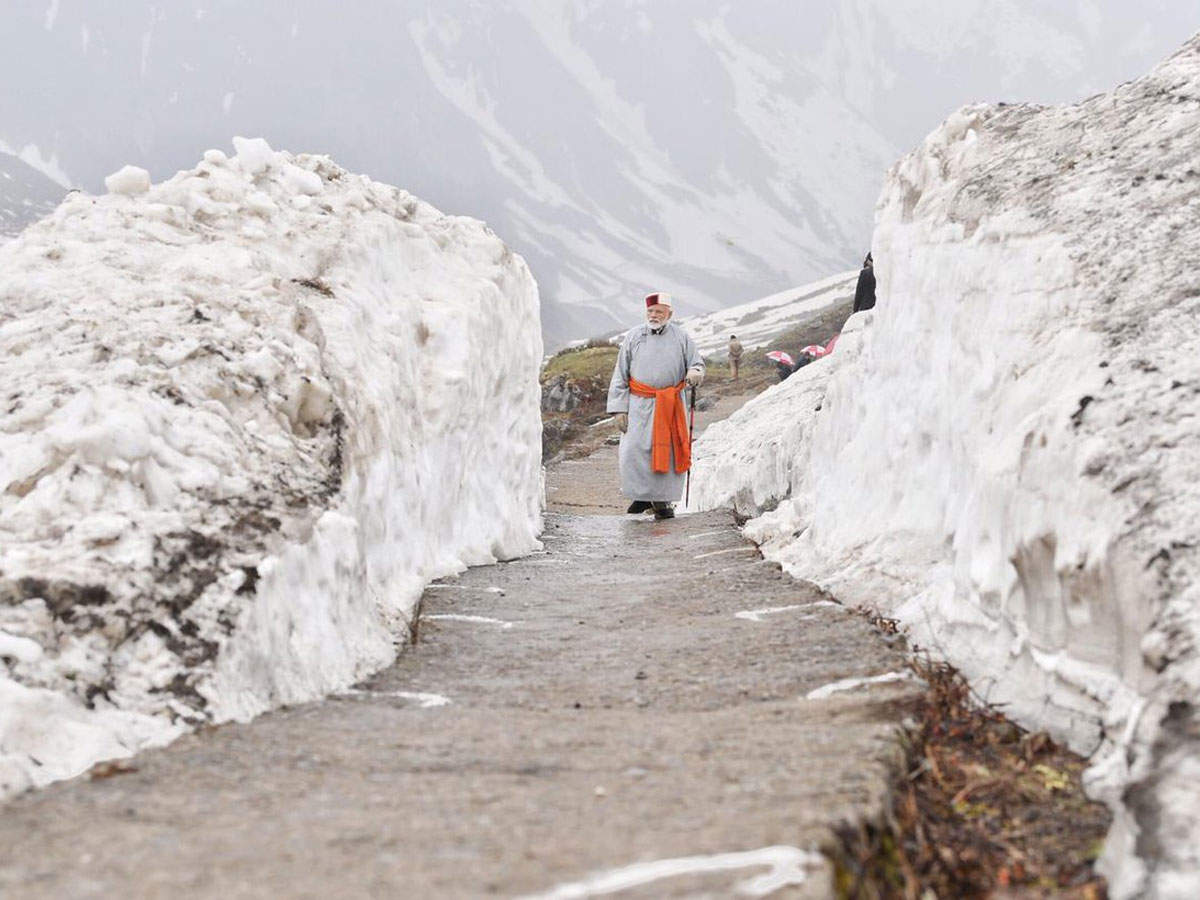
(657, 360)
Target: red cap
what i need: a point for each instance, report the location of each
(658, 299)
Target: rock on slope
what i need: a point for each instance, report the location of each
(248, 413)
(1006, 453)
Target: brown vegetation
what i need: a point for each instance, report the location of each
(987, 810)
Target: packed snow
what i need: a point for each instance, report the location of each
(249, 413)
(1005, 453)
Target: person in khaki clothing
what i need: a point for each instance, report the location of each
(735, 355)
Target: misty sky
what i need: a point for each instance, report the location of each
(721, 150)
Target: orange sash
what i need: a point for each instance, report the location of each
(670, 426)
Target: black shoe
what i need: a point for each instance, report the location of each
(663, 511)
(638, 506)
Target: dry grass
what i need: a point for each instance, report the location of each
(987, 810)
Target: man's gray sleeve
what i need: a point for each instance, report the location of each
(618, 388)
(694, 359)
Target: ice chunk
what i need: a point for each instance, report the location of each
(129, 181)
(254, 155)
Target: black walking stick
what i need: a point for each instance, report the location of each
(687, 490)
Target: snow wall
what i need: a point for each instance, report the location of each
(248, 413)
(1005, 453)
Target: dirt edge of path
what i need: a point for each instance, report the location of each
(981, 809)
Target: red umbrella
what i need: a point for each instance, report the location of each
(814, 350)
(781, 357)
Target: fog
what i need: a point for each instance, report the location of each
(720, 151)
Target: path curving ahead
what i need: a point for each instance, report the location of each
(594, 720)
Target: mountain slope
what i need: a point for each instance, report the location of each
(25, 194)
(758, 322)
(722, 154)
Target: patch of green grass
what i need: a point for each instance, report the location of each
(586, 362)
(716, 369)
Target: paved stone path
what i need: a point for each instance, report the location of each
(598, 705)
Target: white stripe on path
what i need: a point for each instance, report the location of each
(692, 537)
(849, 684)
(741, 567)
(463, 587)
(727, 550)
(756, 615)
(458, 617)
(423, 700)
(789, 866)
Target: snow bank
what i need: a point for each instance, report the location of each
(1005, 453)
(248, 414)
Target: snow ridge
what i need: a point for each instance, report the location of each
(1004, 453)
(249, 412)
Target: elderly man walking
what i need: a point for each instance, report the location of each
(657, 363)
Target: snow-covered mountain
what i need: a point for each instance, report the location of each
(758, 322)
(25, 194)
(720, 152)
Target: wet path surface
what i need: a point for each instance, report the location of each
(598, 705)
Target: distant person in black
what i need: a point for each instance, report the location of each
(864, 294)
